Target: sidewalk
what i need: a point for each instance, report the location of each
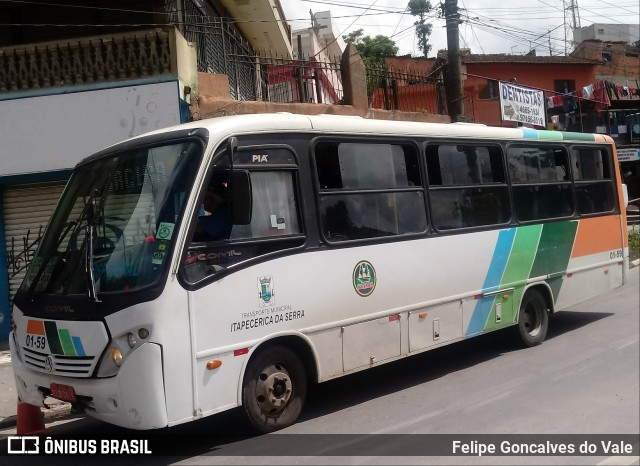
(9, 396)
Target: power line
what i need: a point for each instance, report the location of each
(472, 30)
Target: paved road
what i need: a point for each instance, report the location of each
(583, 380)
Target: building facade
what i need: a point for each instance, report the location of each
(80, 76)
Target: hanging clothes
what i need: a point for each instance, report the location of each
(587, 92)
(601, 96)
(569, 102)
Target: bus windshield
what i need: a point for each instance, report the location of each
(114, 225)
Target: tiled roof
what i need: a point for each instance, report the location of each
(535, 60)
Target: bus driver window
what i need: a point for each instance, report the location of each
(215, 221)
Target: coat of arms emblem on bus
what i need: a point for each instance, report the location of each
(364, 278)
(265, 291)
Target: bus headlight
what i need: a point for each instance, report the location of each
(116, 357)
(118, 350)
(112, 359)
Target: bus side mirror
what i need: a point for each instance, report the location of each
(241, 197)
(625, 195)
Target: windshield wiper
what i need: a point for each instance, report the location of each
(92, 215)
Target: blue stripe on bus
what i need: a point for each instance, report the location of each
(492, 281)
(77, 344)
(530, 133)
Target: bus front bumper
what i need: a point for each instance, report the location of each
(134, 398)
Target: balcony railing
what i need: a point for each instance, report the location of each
(86, 60)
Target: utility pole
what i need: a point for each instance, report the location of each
(453, 84)
(570, 23)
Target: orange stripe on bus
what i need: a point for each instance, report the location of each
(623, 213)
(597, 234)
(35, 327)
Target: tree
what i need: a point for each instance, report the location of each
(420, 8)
(377, 47)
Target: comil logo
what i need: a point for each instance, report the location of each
(23, 445)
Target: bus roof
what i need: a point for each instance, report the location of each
(221, 127)
(355, 124)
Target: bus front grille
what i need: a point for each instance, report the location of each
(71, 366)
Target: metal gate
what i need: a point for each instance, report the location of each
(27, 210)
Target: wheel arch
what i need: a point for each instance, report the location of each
(297, 342)
(545, 290)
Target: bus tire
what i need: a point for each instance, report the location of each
(533, 319)
(274, 389)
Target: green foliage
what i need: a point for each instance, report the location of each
(634, 245)
(420, 8)
(376, 71)
(634, 239)
(372, 47)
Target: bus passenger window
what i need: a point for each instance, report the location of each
(541, 182)
(467, 186)
(369, 190)
(593, 180)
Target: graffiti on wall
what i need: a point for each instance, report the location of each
(21, 251)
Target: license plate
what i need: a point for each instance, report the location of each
(63, 392)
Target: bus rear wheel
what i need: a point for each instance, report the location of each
(274, 389)
(533, 319)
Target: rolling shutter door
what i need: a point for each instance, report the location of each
(27, 211)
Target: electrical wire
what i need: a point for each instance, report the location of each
(473, 31)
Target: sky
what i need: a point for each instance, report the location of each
(504, 26)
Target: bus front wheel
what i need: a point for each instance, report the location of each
(533, 319)
(274, 389)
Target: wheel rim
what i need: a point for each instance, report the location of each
(273, 389)
(532, 319)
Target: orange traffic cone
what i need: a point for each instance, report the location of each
(30, 420)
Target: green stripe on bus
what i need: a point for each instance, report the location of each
(550, 135)
(554, 252)
(554, 249)
(569, 136)
(519, 266)
(51, 330)
(67, 342)
(522, 255)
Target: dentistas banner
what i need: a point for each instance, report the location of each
(522, 104)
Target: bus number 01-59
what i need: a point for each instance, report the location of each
(36, 341)
(616, 254)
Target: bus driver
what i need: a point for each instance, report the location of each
(216, 221)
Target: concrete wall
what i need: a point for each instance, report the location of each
(184, 63)
(207, 107)
(628, 33)
(55, 132)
